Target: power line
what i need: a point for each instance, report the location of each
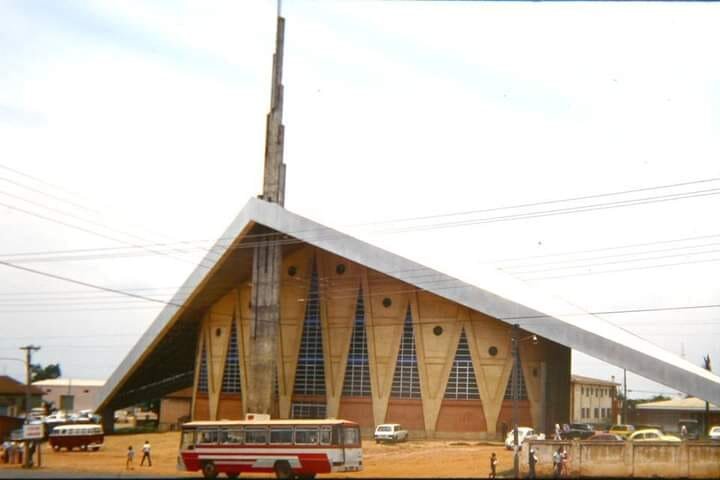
(559, 211)
(547, 202)
(600, 264)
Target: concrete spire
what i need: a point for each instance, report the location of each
(267, 256)
(274, 179)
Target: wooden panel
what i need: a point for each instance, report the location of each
(505, 415)
(408, 413)
(202, 408)
(435, 353)
(491, 372)
(461, 416)
(218, 326)
(243, 315)
(198, 362)
(172, 409)
(230, 407)
(339, 288)
(384, 332)
(293, 300)
(358, 410)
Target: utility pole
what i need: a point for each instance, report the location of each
(706, 426)
(515, 398)
(267, 256)
(28, 362)
(625, 399)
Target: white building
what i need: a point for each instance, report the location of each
(71, 394)
(593, 400)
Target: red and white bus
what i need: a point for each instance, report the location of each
(289, 448)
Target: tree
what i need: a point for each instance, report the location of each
(38, 372)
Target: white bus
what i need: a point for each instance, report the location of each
(289, 448)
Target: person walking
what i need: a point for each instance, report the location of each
(493, 465)
(557, 462)
(564, 463)
(146, 454)
(558, 435)
(532, 461)
(130, 457)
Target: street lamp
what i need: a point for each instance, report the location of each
(516, 391)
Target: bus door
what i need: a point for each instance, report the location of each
(337, 437)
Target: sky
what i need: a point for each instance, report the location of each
(471, 137)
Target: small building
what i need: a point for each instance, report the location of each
(71, 394)
(667, 413)
(593, 400)
(175, 408)
(12, 396)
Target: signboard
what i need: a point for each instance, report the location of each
(34, 431)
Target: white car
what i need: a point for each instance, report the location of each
(390, 432)
(715, 433)
(524, 433)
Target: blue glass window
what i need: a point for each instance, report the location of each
(357, 372)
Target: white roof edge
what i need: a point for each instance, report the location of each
(571, 327)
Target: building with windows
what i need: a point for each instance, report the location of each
(668, 413)
(12, 396)
(71, 394)
(593, 401)
(340, 328)
(370, 336)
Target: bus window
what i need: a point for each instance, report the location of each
(351, 436)
(207, 436)
(256, 436)
(306, 436)
(188, 439)
(281, 435)
(233, 436)
(325, 436)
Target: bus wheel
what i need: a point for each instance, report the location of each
(283, 470)
(209, 470)
(232, 474)
(307, 476)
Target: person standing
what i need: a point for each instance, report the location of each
(146, 454)
(493, 465)
(532, 461)
(558, 435)
(129, 460)
(683, 432)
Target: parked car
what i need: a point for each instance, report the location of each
(578, 431)
(390, 432)
(714, 433)
(652, 435)
(622, 430)
(524, 433)
(606, 437)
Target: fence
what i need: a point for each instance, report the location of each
(690, 459)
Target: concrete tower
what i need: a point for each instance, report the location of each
(267, 255)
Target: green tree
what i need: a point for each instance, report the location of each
(38, 372)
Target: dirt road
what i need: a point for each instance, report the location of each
(411, 459)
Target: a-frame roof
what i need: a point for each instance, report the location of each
(163, 358)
